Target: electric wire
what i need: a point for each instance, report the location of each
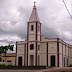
(67, 9)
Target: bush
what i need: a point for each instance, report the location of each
(2, 65)
(70, 65)
(10, 65)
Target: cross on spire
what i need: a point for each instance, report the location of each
(34, 3)
(34, 15)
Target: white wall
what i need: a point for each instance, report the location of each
(8, 63)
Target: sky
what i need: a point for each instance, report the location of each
(14, 15)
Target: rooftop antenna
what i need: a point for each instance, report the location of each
(67, 9)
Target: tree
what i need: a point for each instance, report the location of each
(0, 58)
(3, 49)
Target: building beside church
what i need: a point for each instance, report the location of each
(8, 59)
(40, 51)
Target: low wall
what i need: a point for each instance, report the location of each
(8, 63)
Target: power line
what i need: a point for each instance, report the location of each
(67, 9)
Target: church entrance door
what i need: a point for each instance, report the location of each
(31, 60)
(20, 61)
(52, 60)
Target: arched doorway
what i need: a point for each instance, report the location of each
(52, 60)
(31, 60)
(19, 61)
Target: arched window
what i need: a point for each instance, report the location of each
(31, 47)
(32, 27)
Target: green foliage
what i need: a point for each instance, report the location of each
(10, 65)
(3, 49)
(10, 47)
(2, 65)
(70, 65)
(5, 65)
(0, 58)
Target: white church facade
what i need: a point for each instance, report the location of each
(40, 51)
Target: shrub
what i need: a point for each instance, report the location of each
(2, 65)
(70, 65)
(10, 65)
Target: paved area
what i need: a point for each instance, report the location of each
(56, 69)
(16, 71)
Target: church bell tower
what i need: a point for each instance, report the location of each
(33, 37)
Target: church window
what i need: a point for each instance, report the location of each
(38, 60)
(31, 47)
(32, 27)
(64, 61)
(67, 62)
(38, 47)
(38, 28)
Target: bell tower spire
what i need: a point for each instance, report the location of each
(34, 15)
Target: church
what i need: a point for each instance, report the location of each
(40, 51)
